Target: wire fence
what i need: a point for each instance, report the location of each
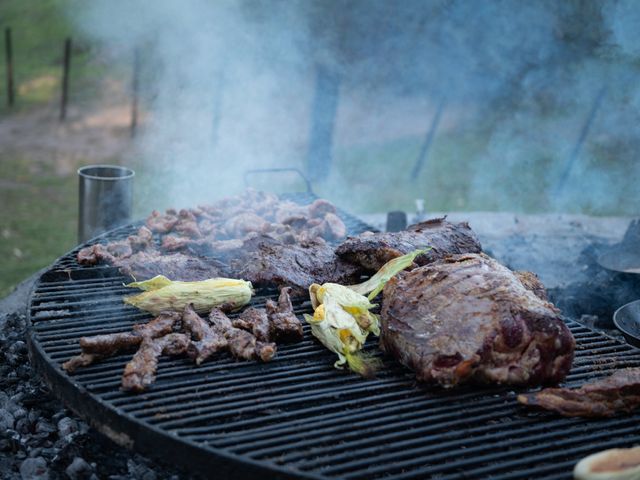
(72, 81)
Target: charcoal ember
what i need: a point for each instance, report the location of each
(18, 348)
(67, 426)
(23, 372)
(10, 441)
(18, 413)
(23, 425)
(140, 471)
(34, 469)
(7, 420)
(34, 415)
(79, 469)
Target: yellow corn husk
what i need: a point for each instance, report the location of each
(154, 283)
(340, 333)
(162, 294)
(342, 317)
(351, 302)
(375, 284)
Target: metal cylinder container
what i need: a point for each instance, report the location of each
(105, 199)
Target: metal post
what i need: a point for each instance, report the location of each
(9, 60)
(426, 146)
(135, 83)
(65, 79)
(584, 131)
(323, 119)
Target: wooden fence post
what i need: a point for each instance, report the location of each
(9, 61)
(65, 79)
(135, 85)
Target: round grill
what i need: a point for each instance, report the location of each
(297, 416)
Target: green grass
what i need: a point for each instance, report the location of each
(37, 221)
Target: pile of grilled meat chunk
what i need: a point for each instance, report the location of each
(251, 336)
(257, 237)
(269, 242)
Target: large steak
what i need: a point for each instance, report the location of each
(372, 250)
(468, 318)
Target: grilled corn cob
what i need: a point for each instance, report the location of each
(163, 294)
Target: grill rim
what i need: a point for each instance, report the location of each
(113, 421)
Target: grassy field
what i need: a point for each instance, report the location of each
(40, 222)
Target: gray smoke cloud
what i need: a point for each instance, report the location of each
(530, 89)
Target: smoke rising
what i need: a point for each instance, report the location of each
(230, 85)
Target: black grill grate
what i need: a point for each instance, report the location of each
(297, 416)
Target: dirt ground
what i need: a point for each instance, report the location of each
(97, 132)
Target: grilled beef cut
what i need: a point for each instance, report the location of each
(205, 340)
(140, 372)
(284, 325)
(298, 265)
(97, 347)
(241, 344)
(372, 250)
(604, 397)
(256, 321)
(468, 318)
(176, 266)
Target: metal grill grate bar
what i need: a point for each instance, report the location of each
(486, 444)
(549, 452)
(277, 401)
(246, 426)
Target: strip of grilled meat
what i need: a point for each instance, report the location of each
(372, 250)
(241, 344)
(285, 327)
(604, 397)
(82, 360)
(206, 341)
(97, 347)
(110, 343)
(140, 372)
(468, 318)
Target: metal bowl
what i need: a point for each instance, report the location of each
(627, 320)
(620, 259)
